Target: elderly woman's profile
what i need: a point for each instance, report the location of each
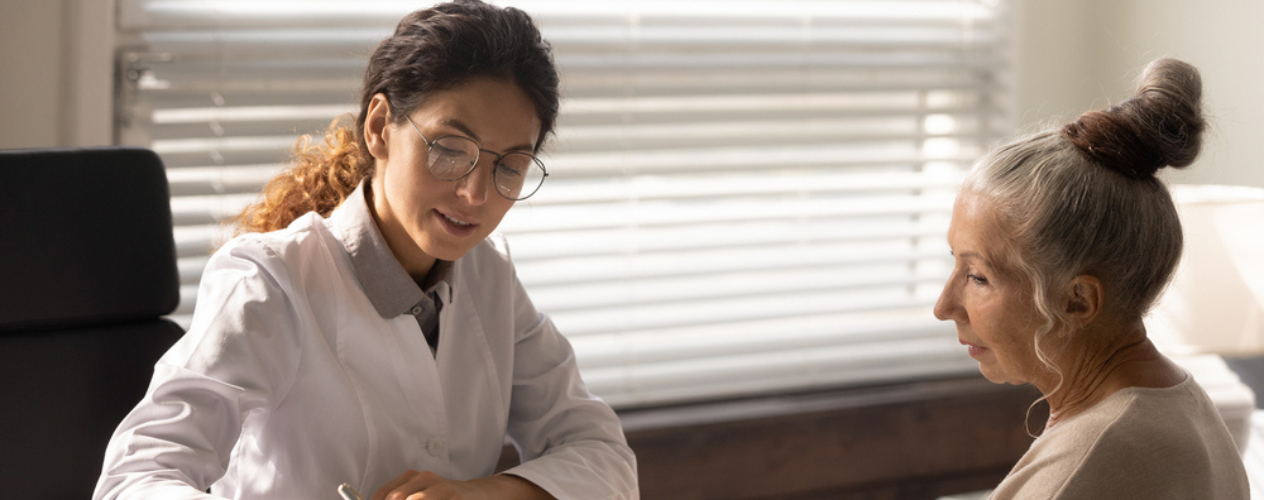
(1062, 241)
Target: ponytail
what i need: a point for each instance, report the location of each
(323, 175)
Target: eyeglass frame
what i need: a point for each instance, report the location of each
(474, 165)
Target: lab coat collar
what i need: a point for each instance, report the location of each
(387, 285)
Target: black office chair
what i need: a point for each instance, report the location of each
(87, 270)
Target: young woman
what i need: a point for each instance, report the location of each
(1062, 241)
(367, 329)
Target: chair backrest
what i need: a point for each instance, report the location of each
(87, 270)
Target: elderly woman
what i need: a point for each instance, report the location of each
(1062, 240)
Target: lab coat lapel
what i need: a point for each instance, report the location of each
(428, 402)
(399, 359)
(476, 398)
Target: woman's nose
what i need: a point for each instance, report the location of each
(474, 187)
(946, 307)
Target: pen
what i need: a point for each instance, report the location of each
(348, 493)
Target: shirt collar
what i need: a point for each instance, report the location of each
(387, 285)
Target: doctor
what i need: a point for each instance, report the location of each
(367, 328)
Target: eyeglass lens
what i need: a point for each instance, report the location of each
(516, 175)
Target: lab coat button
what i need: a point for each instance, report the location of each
(416, 310)
(434, 448)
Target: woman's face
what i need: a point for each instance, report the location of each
(445, 219)
(993, 309)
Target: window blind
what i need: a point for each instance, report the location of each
(744, 196)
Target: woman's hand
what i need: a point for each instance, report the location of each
(413, 485)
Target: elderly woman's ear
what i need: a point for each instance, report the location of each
(1084, 294)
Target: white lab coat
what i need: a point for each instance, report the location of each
(289, 383)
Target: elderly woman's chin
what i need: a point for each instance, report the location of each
(1000, 366)
(998, 374)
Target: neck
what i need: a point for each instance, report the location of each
(415, 261)
(1099, 361)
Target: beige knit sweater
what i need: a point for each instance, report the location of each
(1138, 443)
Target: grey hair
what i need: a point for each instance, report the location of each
(1084, 199)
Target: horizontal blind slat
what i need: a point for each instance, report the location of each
(151, 14)
(745, 337)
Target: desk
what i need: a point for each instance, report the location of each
(907, 441)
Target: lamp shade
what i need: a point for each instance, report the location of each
(1215, 303)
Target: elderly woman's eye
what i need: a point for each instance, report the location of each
(978, 280)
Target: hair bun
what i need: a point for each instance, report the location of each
(1160, 126)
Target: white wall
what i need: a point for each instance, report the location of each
(1073, 55)
(1054, 80)
(31, 73)
(1080, 54)
(56, 72)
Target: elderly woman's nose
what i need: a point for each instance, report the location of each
(946, 306)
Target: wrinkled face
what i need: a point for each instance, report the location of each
(446, 219)
(992, 307)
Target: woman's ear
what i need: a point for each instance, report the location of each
(1084, 297)
(376, 133)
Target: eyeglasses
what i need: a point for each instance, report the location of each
(516, 175)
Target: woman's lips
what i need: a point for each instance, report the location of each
(456, 225)
(975, 350)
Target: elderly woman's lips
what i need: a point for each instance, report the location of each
(974, 349)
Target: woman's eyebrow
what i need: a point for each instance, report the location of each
(974, 256)
(459, 125)
(465, 129)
